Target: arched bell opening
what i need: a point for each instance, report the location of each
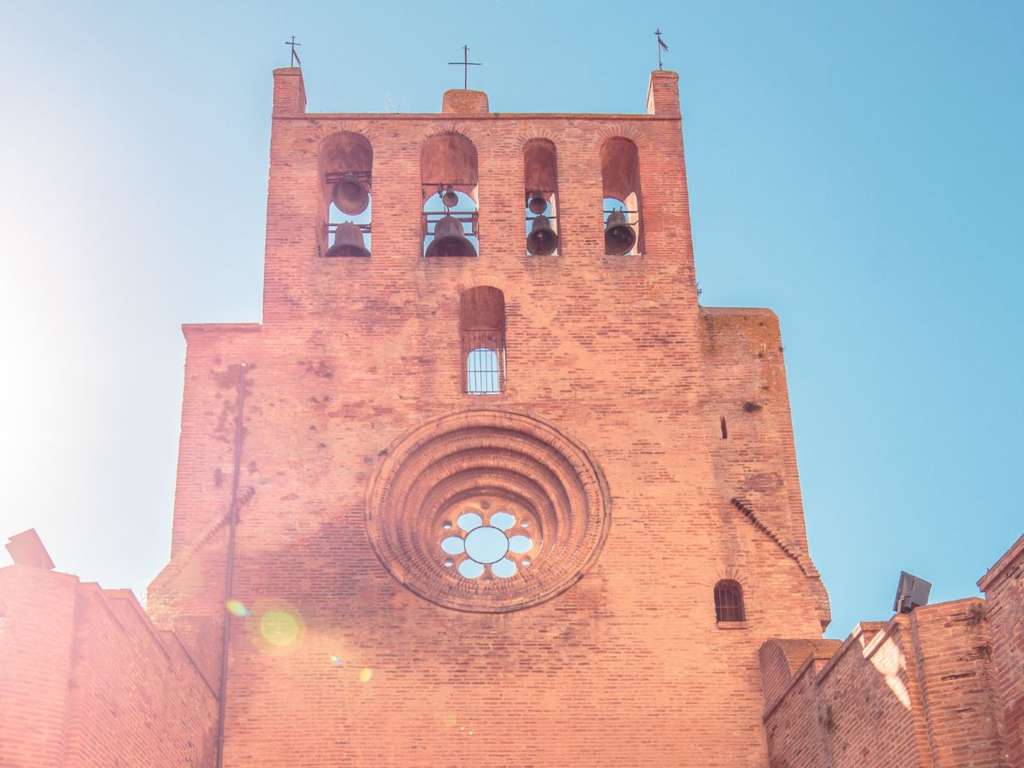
(620, 177)
(346, 174)
(540, 181)
(448, 180)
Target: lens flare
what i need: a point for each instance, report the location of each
(279, 628)
(336, 661)
(237, 608)
(365, 675)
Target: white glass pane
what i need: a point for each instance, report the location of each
(469, 520)
(504, 569)
(486, 544)
(453, 545)
(520, 544)
(503, 520)
(483, 374)
(470, 569)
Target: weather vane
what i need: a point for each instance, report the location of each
(465, 64)
(661, 46)
(296, 61)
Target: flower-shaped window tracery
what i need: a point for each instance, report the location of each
(485, 462)
(499, 546)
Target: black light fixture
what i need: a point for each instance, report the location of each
(911, 593)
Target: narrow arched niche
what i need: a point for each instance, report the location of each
(540, 183)
(448, 182)
(482, 336)
(449, 158)
(620, 183)
(346, 176)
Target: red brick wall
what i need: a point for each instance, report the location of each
(745, 385)
(794, 725)
(86, 680)
(952, 652)
(626, 667)
(917, 691)
(289, 91)
(1004, 590)
(37, 610)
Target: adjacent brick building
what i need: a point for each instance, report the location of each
(488, 486)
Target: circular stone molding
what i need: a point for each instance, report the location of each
(487, 511)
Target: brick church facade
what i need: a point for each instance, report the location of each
(488, 486)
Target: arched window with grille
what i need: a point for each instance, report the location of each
(482, 331)
(729, 601)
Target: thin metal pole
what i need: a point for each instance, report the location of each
(229, 565)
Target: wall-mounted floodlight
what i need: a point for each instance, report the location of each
(27, 548)
(911, 592)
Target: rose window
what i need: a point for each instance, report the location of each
(498, 547)
(487, 510)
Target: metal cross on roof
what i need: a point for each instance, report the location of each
(661, 46)
(295, 54)
(465, 64)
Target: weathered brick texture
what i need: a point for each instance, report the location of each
(625, 667)
(645, 439)
(1004, 589)
(915, 691)
(86, 680)
(36, 630)
(465, 102)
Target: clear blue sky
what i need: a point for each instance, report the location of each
(858, 168)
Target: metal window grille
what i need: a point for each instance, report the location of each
(484, 352)
(729, 602)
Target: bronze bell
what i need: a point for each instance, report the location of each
(542, 240)
(449, 198)
(449, 239)
(348, 241)
(619, 235)
(537, 203)
(350, 195)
